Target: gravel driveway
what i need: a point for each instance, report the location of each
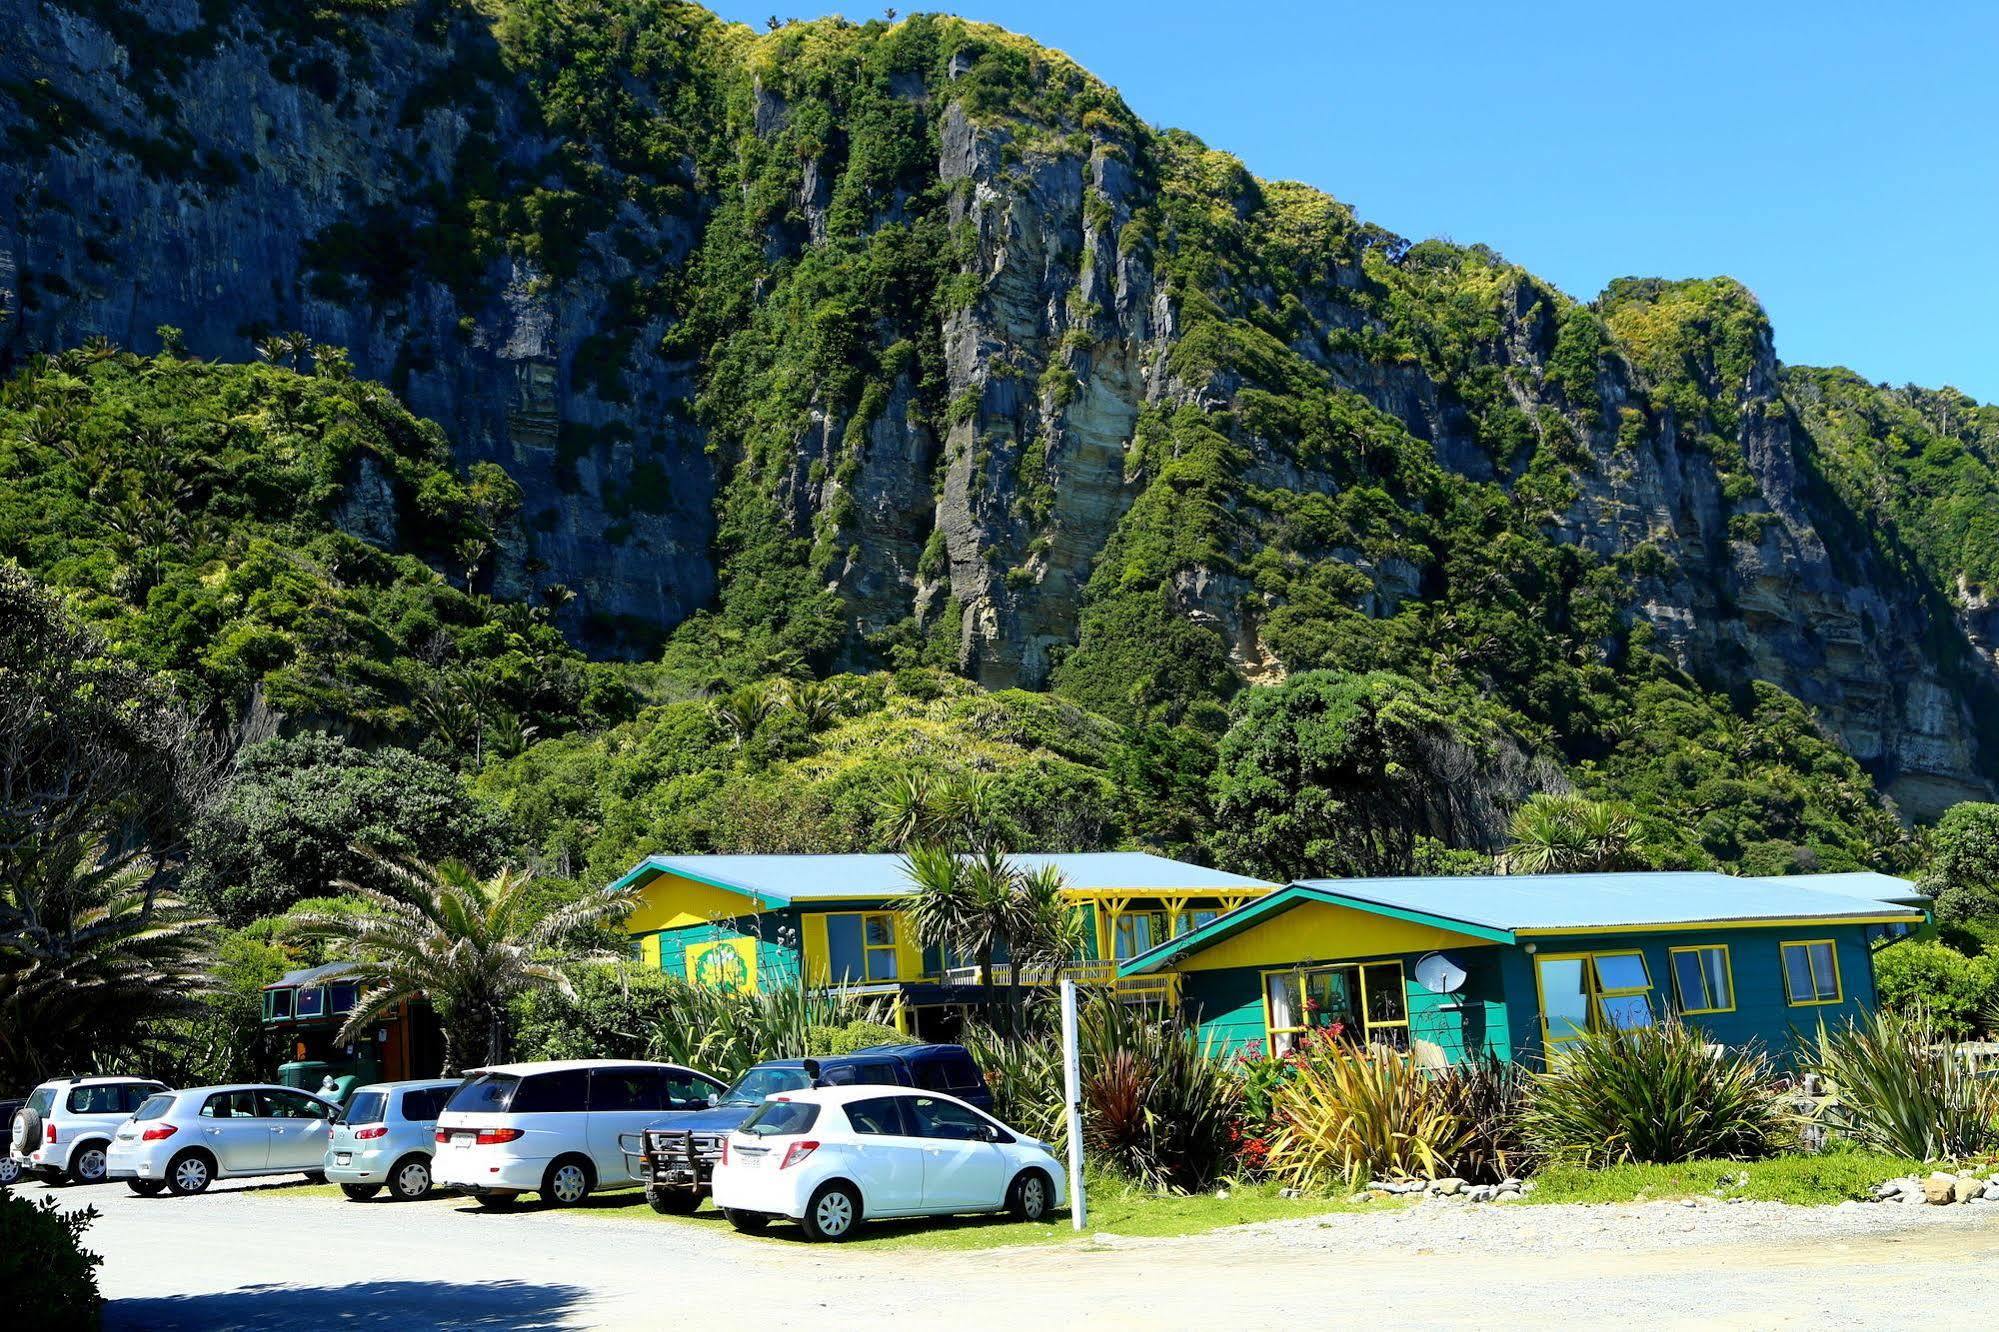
(266, 1257)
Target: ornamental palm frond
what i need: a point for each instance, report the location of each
(87, 961)
(983, 904)
(1568, 834)
(469, 945)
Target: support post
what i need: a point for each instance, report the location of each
(1072, 1095)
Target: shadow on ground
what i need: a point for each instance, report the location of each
(363, 1304)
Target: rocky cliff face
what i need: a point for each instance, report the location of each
(934, 337)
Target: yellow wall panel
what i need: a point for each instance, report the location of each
(670, 902)
(1319, 932)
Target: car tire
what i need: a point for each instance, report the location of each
(146, 1188)
(315, 1176)
(834, 1213)
(673, 1202)
(87, 1164)
(360, 1192)
(25, 1132)
(750, 1223)
(567, 1182)
(190, 1173)
(409, 1178)
(496, 1202)
(1031, 1197)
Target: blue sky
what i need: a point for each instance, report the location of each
(1841, 159)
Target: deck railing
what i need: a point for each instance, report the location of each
(1091, 973)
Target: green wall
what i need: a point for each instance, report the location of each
(776, 933)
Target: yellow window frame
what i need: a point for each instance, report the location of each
(1727, 976)
(1595, 990)
(1838, 982)
(1368, 1025)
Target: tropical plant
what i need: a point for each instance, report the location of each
(1487, 1095)
(469, 945)
(1569, 834)
(49, 1277)
(1655, 1094)
(1352, 1112)
(1898, 1086)
(983, 904)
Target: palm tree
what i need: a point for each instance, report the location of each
(90, 950)
(742, 712)
(1570, 834)
(904, 806)
(976, 905)
(469, 945)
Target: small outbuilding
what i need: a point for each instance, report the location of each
(1515, 965)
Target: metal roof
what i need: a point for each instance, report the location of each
(1501, 908)
(782, 880)
(1863, 884)
(311, 974)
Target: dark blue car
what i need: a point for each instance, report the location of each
(677, 1156)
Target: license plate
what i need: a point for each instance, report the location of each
(463, 1139)
(754, 1160)
(342, 1158)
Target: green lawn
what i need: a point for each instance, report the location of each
(1808, 1180)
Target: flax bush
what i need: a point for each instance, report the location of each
(1350, 1113)
(1655, 1095)
(1488, 1097)
(1896, 1086)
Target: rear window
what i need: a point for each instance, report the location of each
(41, 1099)
(782, 1119)
(366, 1107)
(155, 1107)
(487, 1094)
(859, 1075)
(761, 1082)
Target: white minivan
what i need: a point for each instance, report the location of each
(552, 1128)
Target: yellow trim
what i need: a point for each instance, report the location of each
(649, 952)
(1727, 972)
(1549, 1040)
(1838, 983)
(818, 956)
(670, 902)
(1675, 925)
(1320, 933)
(1605, 991)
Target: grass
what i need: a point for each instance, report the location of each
(1830, 1177)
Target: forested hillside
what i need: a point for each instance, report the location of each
(693, 437)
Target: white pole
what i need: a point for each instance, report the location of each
(1072, 1090)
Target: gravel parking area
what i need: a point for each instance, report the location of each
(270, 1256)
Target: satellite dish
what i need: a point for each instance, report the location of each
(1439, 973)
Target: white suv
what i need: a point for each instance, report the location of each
(553, 1128)
(186, 1140)
(831, 1157)
(63, 1129)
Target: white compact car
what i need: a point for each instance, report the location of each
(832, 1157)
(385, 1137)
(186, 1140)
(63, 1129)
(552, 1128)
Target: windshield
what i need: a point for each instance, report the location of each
(487, 1094)
(366, 1108)
(782, 1119)
(155, 1106)
(761, 1082)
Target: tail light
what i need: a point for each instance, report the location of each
(442, 1136)
(797, 1152)
(48, 1132)
(492, 1137)
(725, 1151)
(378, 1131)
(159, 1133)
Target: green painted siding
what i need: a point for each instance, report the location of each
(776, 933)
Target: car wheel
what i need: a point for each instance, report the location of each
(496, 1202)
(833, 1213)
(315, 1176)
(673, 1202)
(410, 1180)
(146, 1188)
(1030, 1197)
(567, 1182)
(10, 1171)
(190, 1172)
(750, 1223)
(360, 1192)
(87, 1164)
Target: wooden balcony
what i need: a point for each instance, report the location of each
(1091, 974)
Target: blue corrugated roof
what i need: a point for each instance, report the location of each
(782, 879)
(1516, 902)
(1864, 884)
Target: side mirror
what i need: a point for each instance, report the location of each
(811, 1067)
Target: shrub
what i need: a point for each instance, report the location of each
(856, 1035)
(1657, 1094)
(1488, 1097)
(1896, 1086)
(48, 1275)
(1350, 1113)
(1953, 988)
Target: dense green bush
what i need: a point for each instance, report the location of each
(1958, 992)
(1658, 1094)
(1897, 1086)
(47, 1275)
(1352, 1112)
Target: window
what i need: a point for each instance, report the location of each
(866, 1073)
(1702, 979)
(1365, 1001)
(155, 1107)
(761, 1082)
(1193, 918)
(102, 1098)
(933, 1118)
(372, 1107)
(1811, 972)
(782, 1119)
(860, 946)
(627, 1089)
(566, 1092)
(1138, 932)
(277, 1004)
(340, 998)
(687, 1092)
(487, 1094)
(422, 1104)
(1582, 992)
(291, 1105)
(881, 1117)
(311, 1002)
(230, 1105)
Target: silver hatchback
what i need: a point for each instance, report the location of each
(385, 1138)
